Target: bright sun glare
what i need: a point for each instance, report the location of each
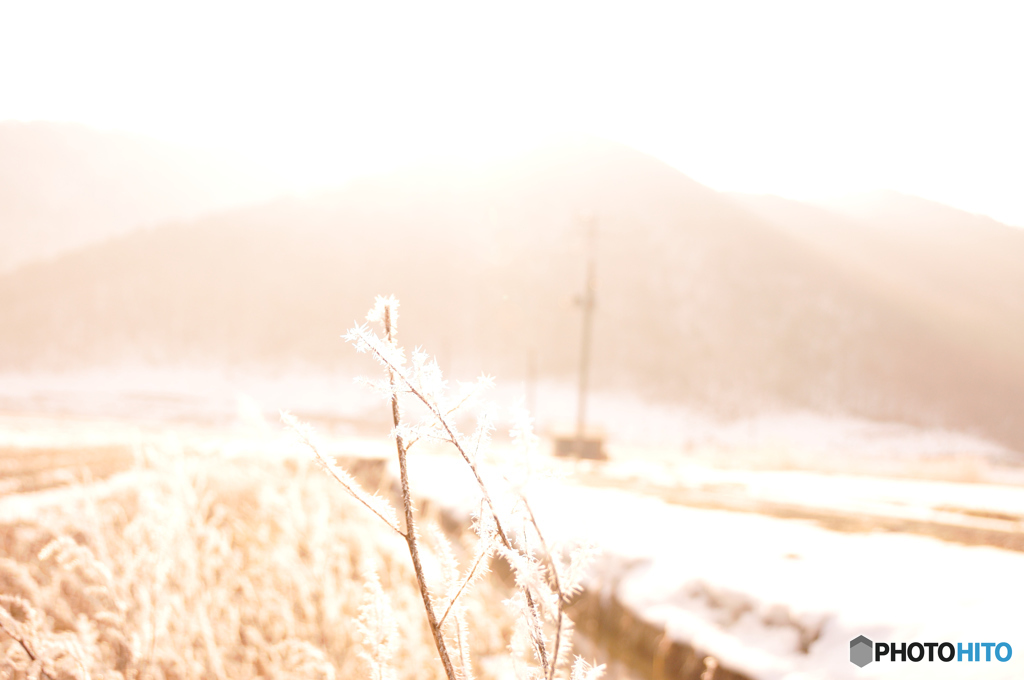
(802, 99)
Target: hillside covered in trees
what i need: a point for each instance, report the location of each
(890, 308)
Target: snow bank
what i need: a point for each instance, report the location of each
(776, 599)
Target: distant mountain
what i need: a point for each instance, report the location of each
(958, 276)
(962, 273)
(971, 262)
(64, 185)
(729, 303)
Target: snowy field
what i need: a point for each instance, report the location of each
(779, 598)
(634, 427)
(770, 597)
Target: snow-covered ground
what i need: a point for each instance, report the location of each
(783, 440)
(756, 591)
(185, 394)
(999, 507)
(773, 598)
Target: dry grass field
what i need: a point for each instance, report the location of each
(204, 567)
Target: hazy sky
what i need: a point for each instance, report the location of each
(802, 99)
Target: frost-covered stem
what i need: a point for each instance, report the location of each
(441, 418)
(538, 637)
(465, 582)
(333, 472)
(394, 371)
(557, 587)
(410, 527)
(537, 629)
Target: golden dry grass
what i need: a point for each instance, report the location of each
(212, 568)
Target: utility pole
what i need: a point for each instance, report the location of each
(531, 382)
(586, 301)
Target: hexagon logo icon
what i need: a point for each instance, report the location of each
(861, 650)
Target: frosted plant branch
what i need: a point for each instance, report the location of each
(388, 312)
(366, 340)
(542, 592)
(470, 577)
(556, 584)
(374, 504)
